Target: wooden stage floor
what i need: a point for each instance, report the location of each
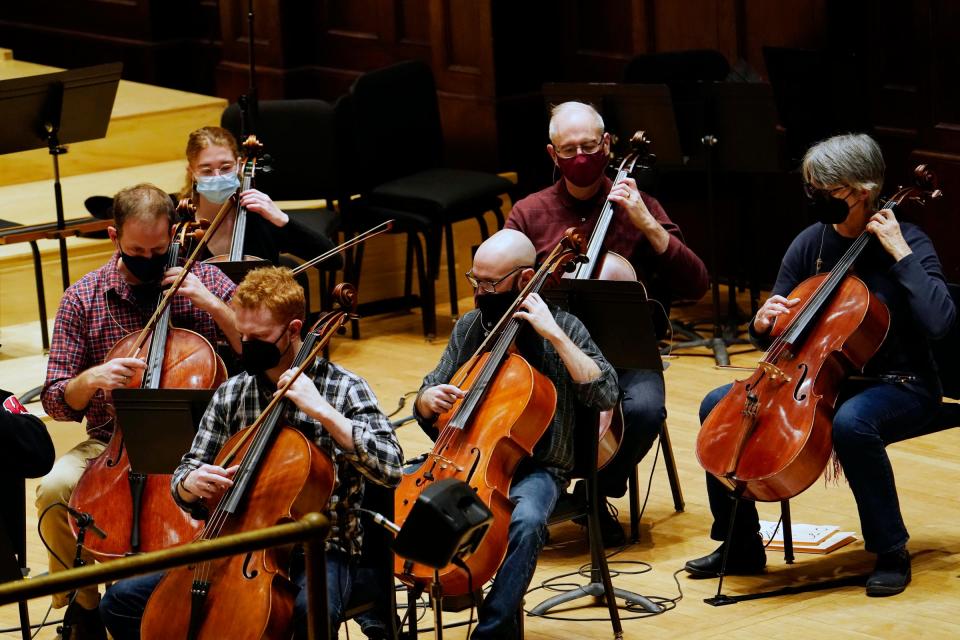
(927, 472)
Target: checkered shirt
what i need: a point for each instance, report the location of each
(377, 455)
(95, 313)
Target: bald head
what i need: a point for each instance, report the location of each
(569, 118)
(501, 253)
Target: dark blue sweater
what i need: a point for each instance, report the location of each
(914, 290)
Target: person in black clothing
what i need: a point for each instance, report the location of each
(901, 394)
(213, 166)
(26, 450)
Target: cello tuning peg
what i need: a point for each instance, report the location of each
(266, 163)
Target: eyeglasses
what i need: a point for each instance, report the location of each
(587, 148)
(222, 170)
(490, 286)
(813, 192)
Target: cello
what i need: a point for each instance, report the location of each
(769, 438)
(507, 406)
(610, 265)
(136, 510)
(281, 475)
(253, 151)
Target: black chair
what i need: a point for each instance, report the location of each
(395, 161)
(300, 138)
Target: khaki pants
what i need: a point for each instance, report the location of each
(55, 487)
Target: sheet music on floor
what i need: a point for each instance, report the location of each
(808, 538)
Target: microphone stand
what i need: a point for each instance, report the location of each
(84, 521)
(249, 106)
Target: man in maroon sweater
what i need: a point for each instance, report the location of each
(642, 233)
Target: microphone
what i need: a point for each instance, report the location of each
(381, 520)
(85, 520)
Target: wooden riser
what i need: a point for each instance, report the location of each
(148, 125)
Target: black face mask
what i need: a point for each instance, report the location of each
(145, 269)
(493, 306)
(824, 208)
(258, 356)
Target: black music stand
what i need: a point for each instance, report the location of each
(51, 110)
(54, 109)
(739, 137)
(618, 318)
(238, 270)
(735, 124)
(158, 428)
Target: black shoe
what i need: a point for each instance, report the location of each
(745, 560)
(891, 575)
(84, 624)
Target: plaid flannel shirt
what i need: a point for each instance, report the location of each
(94, 314)
(377, 455)
(555, 449)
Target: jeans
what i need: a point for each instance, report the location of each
(644, 411)
(868, 418)
(534, 492)
(123, 605)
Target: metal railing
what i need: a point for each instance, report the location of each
(312, 529)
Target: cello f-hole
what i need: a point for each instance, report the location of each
(112, 462)
(248, 572)
(803, 376)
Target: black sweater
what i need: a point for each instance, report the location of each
(914, 290)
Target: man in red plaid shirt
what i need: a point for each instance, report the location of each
(95, 313)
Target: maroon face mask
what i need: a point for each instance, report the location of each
(583, 169)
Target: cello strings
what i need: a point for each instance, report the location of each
(220, 516)
(819, 297)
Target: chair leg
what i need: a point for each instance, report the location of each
(633, 487)
(787, 531)
(427, 290)
(451, 271)
(670, 463)
(633, 484)
(408, 270)
(484, 231)
(498, 213)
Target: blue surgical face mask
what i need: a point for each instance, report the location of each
(217, 189)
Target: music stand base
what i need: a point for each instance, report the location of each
(716, 344)
(595, 590)
(30, 396)
(722, 599)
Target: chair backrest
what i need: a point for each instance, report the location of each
(301, 138)
(946, 353)
(396, 123)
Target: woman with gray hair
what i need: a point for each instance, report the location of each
(900, 395)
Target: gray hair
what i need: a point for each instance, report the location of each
(853, 160)
(566, 107)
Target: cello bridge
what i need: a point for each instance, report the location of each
(774, 372)
(445, 462)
